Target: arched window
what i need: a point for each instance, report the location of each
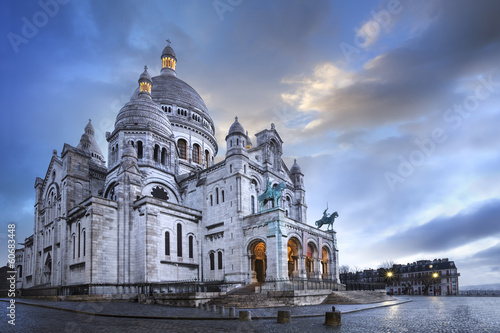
(167, 243)
(191, 246)
(211, 200)
(230, 168)
(196, 153)
(253, 204)
(79, 234)
(139, 150)
(216, 196)
(74, 246)
(219, 260)
(182, 145)
(84, 243)
(163, 156)
(156, 153)
(207, 158)
(179, 240)
(222, 194)
(212, 261)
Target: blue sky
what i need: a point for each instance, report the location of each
(391, 108)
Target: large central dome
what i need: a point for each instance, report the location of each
(168, 89)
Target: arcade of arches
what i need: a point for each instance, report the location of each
(309, 266)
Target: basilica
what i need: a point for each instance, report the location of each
(162, 211)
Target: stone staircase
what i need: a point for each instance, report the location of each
(245, 297)
(357, 297)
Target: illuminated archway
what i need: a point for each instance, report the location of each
(258, 259)
(312, 255)
(293, 254)
(325, 258)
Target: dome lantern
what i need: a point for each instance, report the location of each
(145, 83)
(168, 59)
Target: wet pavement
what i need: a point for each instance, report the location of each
(422, 314)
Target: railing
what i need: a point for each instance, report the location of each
(297, 284)
(364, 286)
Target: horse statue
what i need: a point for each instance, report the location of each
(271, 194)
(327, 219)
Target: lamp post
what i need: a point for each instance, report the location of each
(435, 276)
(389, 276)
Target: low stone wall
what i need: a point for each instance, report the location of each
(183, 300)
(300, 297)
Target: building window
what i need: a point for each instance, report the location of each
(179, 240)
(156, 153)
(167, 243)
(230, 168)
(212, 261)
(190, 246)
(159, 193)
(196, 153)
(139, 150)
(211, 200)
(216, 196)
(182, 145)
(222, 194)
(219, 260)
(79, 239)
(74, 246)
(163, 156)
(207, 158)
(253, 204)
(84, 243)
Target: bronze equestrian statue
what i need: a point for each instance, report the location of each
(273, 194)
(327, 219)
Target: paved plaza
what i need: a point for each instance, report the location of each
(412, 314)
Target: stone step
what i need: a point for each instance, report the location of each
(357, 297)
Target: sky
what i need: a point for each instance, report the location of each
(391, 108)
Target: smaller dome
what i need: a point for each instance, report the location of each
(88, 144)
(144, 114)
(236, 128)
(168, 51)
(145, 75)
(295, 167)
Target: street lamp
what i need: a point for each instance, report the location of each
(389, 281)
(435, 276)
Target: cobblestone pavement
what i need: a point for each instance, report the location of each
(423, 314)
(153, 310)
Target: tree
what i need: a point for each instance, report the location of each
(387, 265)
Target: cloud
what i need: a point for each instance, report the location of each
(412, 79)
(444, 233)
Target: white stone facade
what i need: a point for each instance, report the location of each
(162, 211)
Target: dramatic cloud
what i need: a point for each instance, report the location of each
(445, 233)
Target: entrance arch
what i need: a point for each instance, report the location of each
(47, 269)
(293, 249)
(325, 258)
(311, 257)
(258, 259)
